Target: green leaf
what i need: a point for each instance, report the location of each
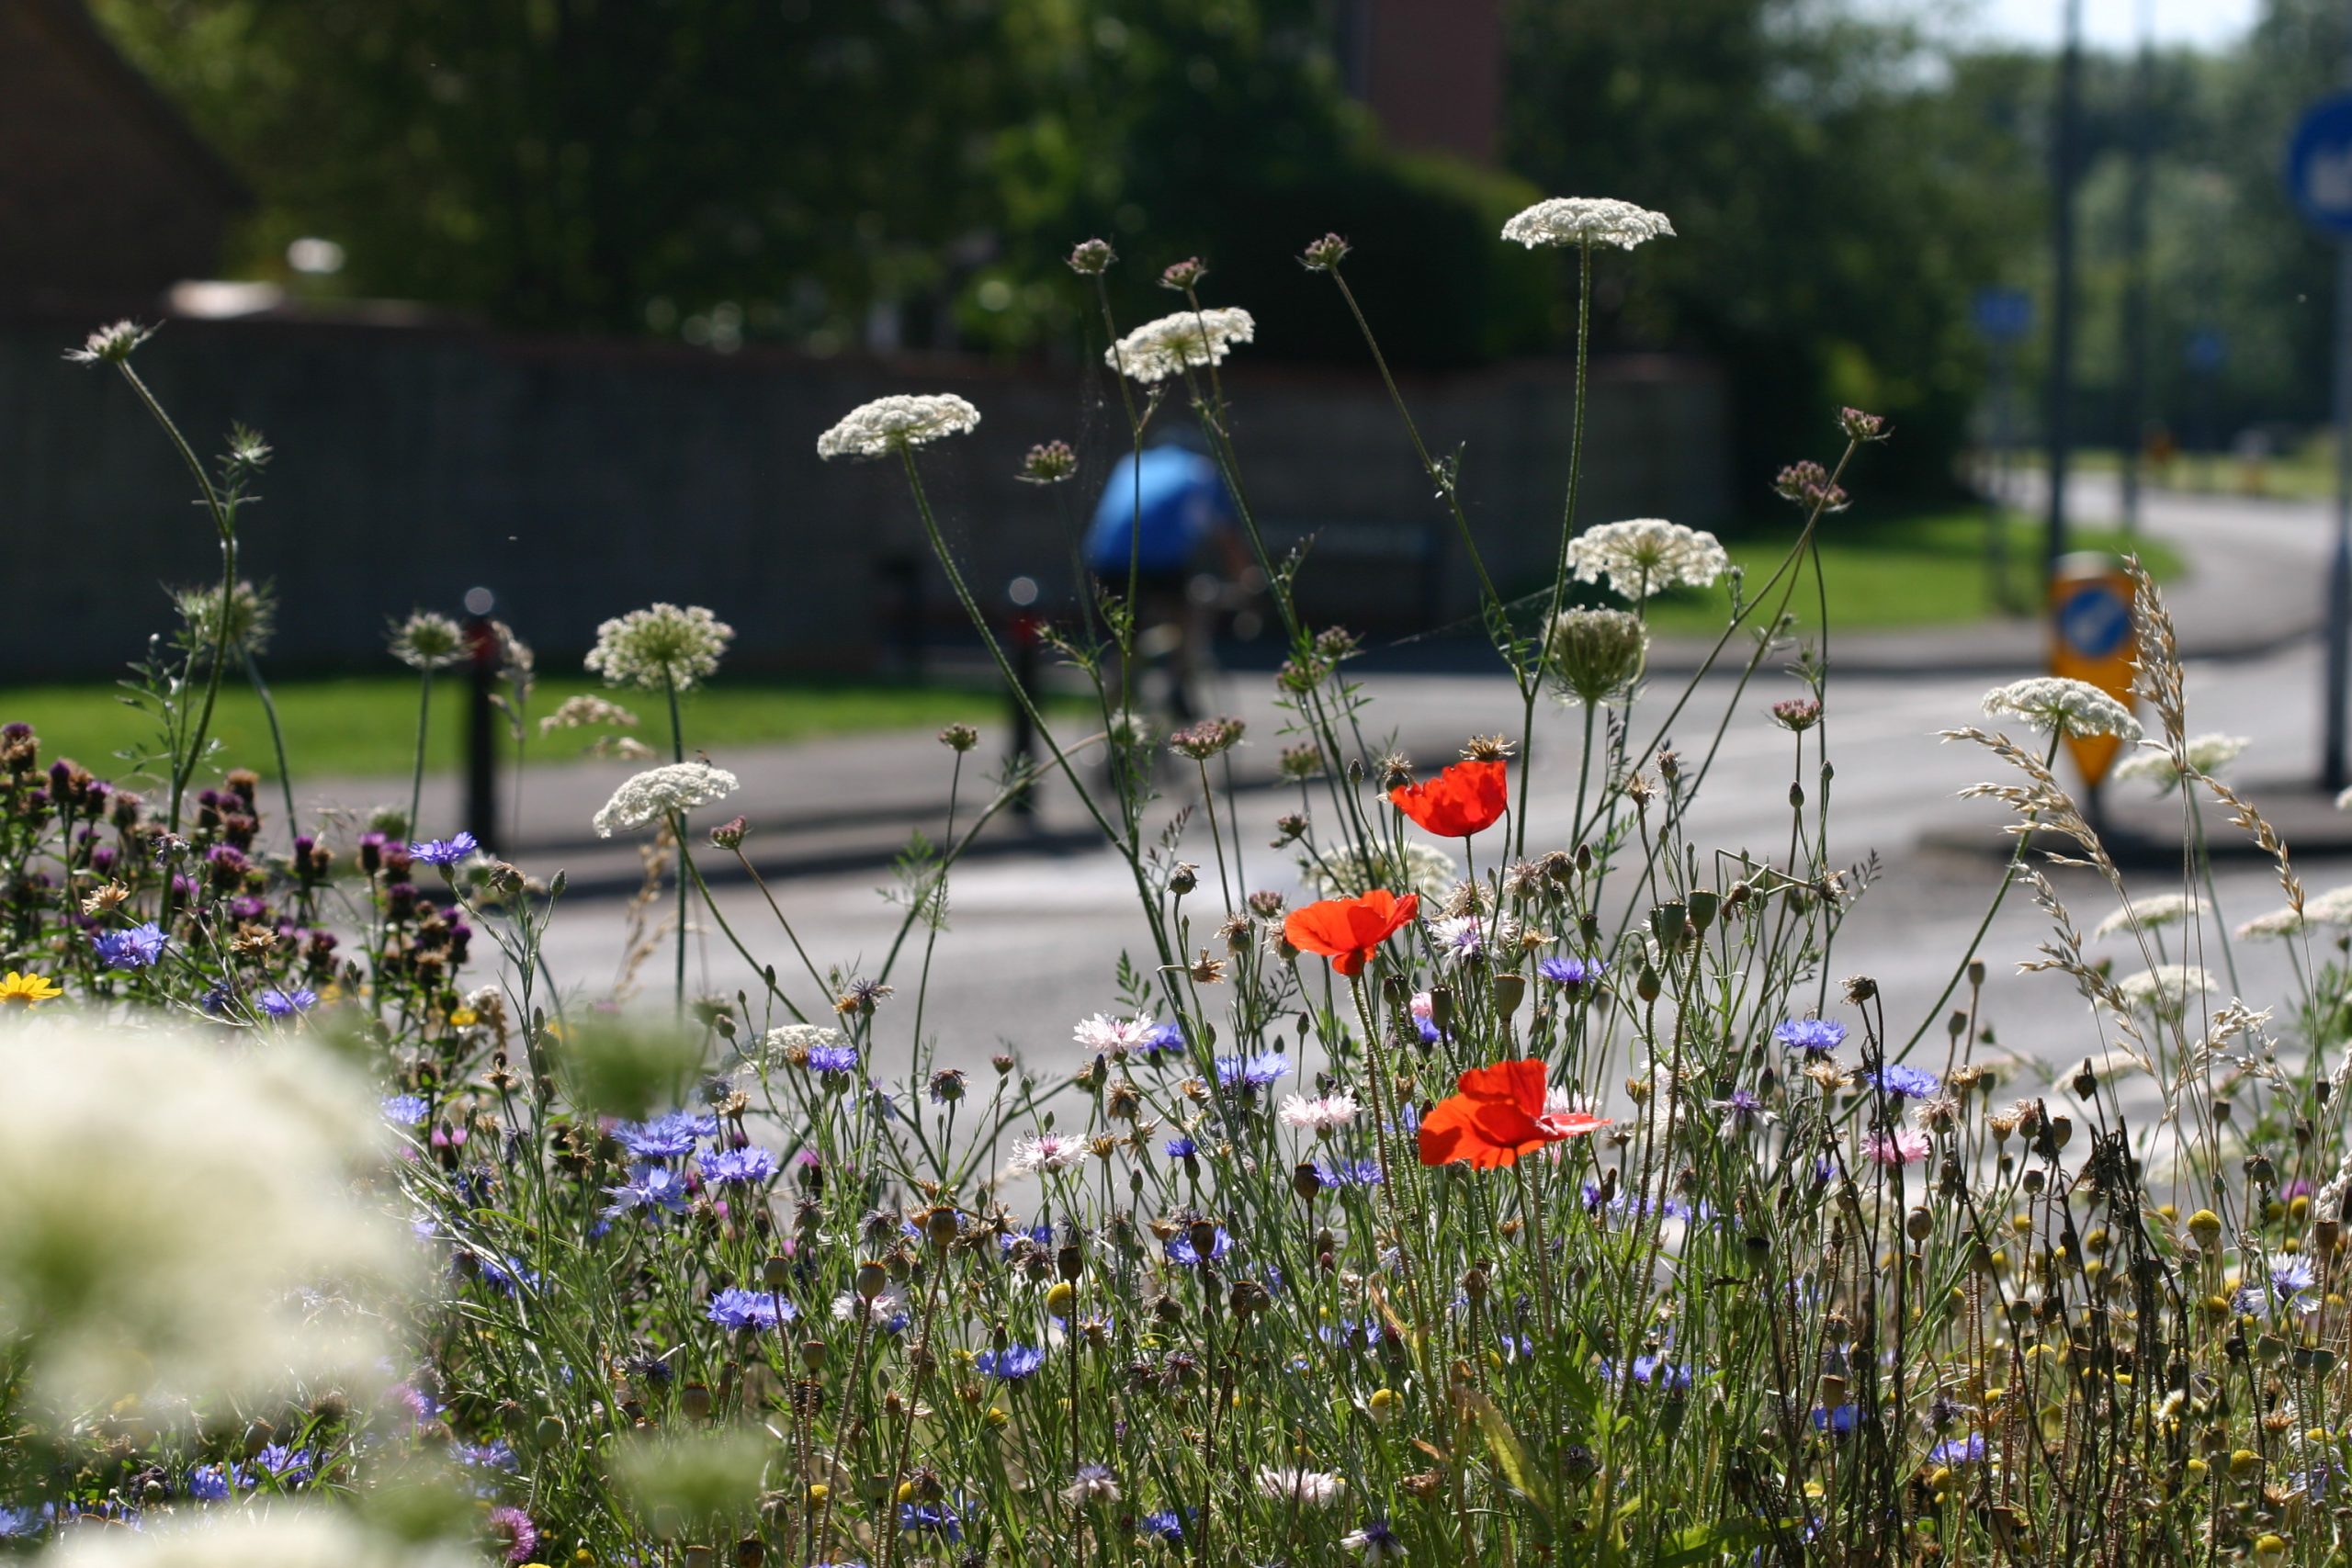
(1511, 1454)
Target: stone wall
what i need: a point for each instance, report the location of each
(579, 478)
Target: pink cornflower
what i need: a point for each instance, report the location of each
(1904, 1146)
(1326, 1114)
(515, 1527)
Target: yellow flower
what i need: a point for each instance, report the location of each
(463, 1018)
(23, 990)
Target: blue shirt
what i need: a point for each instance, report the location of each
(1182, 501)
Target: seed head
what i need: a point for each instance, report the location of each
(1183, 275)
(1090, 259)
(1324, 254)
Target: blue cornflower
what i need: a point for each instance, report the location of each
(1652, 1369)
(833, 1059)
(1252, 1072)
(503, 1275)
(649, 1186)
(1896, 1079)
(1375, 1541)
(737, 1308)
(1181, 1148)
(738, 1167)
(289, 1467)
(287, 1004)
(406, 1109)
(1041, 1236)
(497, 1454)
(1818, 1035)
(1164, 1526)
(443, 852)
(1181, 1251)
(1348, 1172)
(208, 1482)
(137, 948)
(19, 1522)
(1837, 1420)
(1428, 1030)
(1571, 974)
(934, 1519)
(1011, 1364)
(1158, 1038)
(2292, 1275)
(1958, 1450)
(665, 1136)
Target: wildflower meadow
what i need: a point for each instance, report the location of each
(1465, 1185)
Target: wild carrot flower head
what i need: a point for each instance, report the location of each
(2056, 704)
(659, 647)
(2153, 763)
(252, 616)
(1499, 1114)
(1348, 932)
(2165, 991)
(2150, 913)
(897, 423)
(1466, 798)
(659, 791)
(1644, 555)
(1423, 869)
(1587, 220)
(1597, 655)
(428, 640)
(1188, 340)
(1090, 259)
(1048, 463)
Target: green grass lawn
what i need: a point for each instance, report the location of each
(1933, 568)
(2303, 471)
(367, 724)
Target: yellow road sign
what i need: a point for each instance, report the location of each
(2090, 640)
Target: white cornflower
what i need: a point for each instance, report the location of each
(1045, 1151)
(657, 792)
(2165, 989)
(2056, 704)
(1105, 1036)
(1587, 220)
(110, 345)
(428, 640)
(1187, 340)
(1094, 1484)
(1312, 1488)
(661, 648)
(2278, 924)
(1646, 554)
(1319, 1116)
(1425, 869)
(2149, 914)
(109, 1292)
(2153, 763)
(894, 423)
(1460, 938)
(881, 1308)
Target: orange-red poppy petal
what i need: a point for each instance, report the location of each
(1466, 798)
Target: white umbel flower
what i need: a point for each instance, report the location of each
(2057, 705)
(2164, 990)
(657, 792)
(1587, 220)
(2332, 907)
(2275, 926)
(265, 1536)
(1045, 1151)
(1425, 869)
(896, 423)
(1646, 554)
(659, 647)
(1319, 1116)
(1187, 340)
(1309, 1488)
(2153, 763)
(2149, 914)
(113, 1287)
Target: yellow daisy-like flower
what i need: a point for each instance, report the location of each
(23, 990)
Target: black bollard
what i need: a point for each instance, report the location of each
(482, 721)
(1025, 634)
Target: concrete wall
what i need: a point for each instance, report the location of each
(579, 480)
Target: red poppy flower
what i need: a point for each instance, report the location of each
(1466, 799)
(1501, 1113)
(1347, 930)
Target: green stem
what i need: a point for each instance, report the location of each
(1532, 687)
(416, 780)
(678, 754)
(276, 737)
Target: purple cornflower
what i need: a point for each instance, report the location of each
(208, 1482)
(515, 1527)
(1375, 1541)
(1743, 1112)
(1817, 1035)
(1652, 1369)
(738, 1167)
(497, 1454)
(503, 1275)
(1181, 1252)
(1182, 1148)
(936, 1519)
(406, 1109)
(1011, 1364)
(1252, 1072)
(443, 852)
(649, 1186)
(287, 1004)
(666, 1136)
(737, 1308)
(1160, 1037)
(1165, 1526)
(1958, 1450)
(829, 1060)
(1348, 1172)
(1571, 973)
(137, 948)
(289, 1467)
(1898, 1080)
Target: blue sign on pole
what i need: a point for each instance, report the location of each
(2002, 315)
(2319, 165)
(2093, 618)
(2207, 350)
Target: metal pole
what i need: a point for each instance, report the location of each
(2064, 162)
(2339, 569)
(482, 728)
(2135, 294)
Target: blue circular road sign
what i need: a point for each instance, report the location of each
(2319, 165)
(2001, 315)
(2094, 619)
